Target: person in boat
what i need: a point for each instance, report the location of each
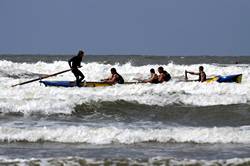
(164, 76)
(201, 74)
(74, 64)
(153, 78)
(114, 78)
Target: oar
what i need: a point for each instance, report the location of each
(186, 77)
(37, 79)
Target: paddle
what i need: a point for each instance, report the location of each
(37, 79)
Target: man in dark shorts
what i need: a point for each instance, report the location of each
(164, 76)
(74, 64)
(201, 74)
(114, 78)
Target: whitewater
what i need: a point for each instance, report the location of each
(176, 122)
(28, 98)
(110, 135)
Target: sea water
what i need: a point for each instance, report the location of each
(173, 123)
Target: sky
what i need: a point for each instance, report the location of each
(146, 27)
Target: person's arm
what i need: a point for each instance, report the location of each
(160, 78)
(148, 80)
(106, 79)
(112, 80)
(154, 77)
(193, 73)
(69, 61)
(80, 63)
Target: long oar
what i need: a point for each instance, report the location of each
(37, 79)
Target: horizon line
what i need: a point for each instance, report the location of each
(67, 54)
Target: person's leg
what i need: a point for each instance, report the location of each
(78, 81)
(74, 71)
(79, 77)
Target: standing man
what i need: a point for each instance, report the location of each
(201, 74)
(74, 64)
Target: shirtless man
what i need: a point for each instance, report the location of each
(201, 74)
(153, 78)
(164, 75)
(114, 78)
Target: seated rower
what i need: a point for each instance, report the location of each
(153, 78)
(114, 78)
(164, 75)
(201, 74)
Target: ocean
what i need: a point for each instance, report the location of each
(174, 123)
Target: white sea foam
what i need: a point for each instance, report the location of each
(108, 135)
(34, 97)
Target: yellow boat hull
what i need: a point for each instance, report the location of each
(83, 84)
(95, 84)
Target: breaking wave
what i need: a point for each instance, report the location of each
(33, 98)
(129, 135)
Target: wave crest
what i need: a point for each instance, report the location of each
(109, 135)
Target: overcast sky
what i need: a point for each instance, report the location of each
(159, 27)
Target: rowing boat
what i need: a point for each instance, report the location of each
(82, 84)
(73, 83)
(229, 79)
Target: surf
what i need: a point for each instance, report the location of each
(126, 135)
(28, 98)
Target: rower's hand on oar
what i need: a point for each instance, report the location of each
(103, 80)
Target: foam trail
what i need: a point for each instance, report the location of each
(108, 135)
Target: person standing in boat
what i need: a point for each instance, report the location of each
(74, 64)
(201, 74)
(164, 76)
(114, 78)
(153, 78)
